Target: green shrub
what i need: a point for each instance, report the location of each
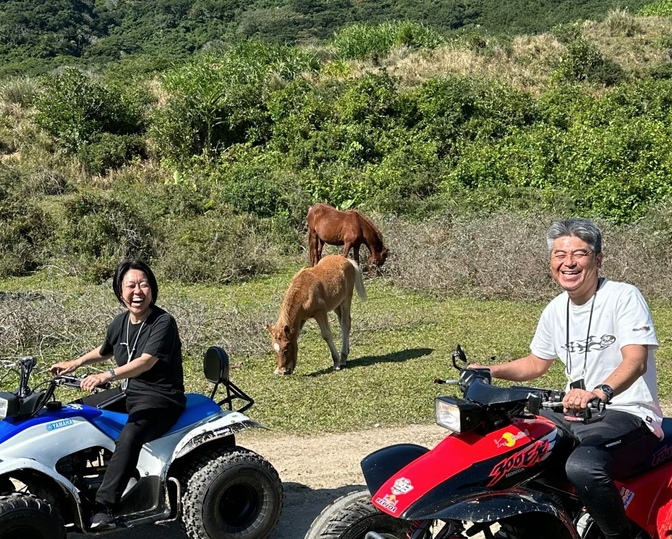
(661, 71)
(215, 102)
(96, 231)
(76, 109)
(582, 61)
(25, 231)
(108, 152)
(216, 248)
(660, 8)
(360, 41)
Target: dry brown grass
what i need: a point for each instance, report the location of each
(636, 49)
(528, 62)
(505, 256)
(53, 326)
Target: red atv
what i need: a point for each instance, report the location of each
(500, 472)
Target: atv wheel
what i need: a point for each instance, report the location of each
(352, 517)
(230, 493)
(23, 516)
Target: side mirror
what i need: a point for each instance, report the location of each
(459, 355)
(216, 365)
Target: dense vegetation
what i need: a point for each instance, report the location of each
(208, 168)
(36, 36)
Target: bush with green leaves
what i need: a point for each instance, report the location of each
(615, 171)
(25, 234)
(660, 8)
(582, 61)
(76, 108)
(109, 152)
(216, 101)
(97, 230)
(216, 248)
(360, 41)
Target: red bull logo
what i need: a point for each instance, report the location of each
(509, 439)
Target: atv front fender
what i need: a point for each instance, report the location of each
(15, 467)
(380, 465)
(221, 426)
(489, 506)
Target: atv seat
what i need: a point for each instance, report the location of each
(198, 407)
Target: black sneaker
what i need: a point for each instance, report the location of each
(102, 520)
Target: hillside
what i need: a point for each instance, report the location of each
(36, 36)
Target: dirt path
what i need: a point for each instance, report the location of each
(315, 470)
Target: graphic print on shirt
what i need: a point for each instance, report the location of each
(593, 344)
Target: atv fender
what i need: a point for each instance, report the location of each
(221, 426)
(380, 465)
(489, 506)
(14, 466)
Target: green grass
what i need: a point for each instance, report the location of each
(400, 342)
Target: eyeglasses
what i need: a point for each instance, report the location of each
(572, 255)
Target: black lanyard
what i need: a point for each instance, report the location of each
(568, 362)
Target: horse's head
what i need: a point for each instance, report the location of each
(378, 258)
(285, 348)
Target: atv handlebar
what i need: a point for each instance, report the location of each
(76, 382)
(476, 386)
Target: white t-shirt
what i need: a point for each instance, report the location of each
(620, 317)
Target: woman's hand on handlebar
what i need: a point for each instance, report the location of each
(64, 367)
(92, 381)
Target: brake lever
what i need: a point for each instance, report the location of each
(592, 413)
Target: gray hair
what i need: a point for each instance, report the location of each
(584, 229)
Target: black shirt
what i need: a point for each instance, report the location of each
(163, 384)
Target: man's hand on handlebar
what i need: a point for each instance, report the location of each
(575, 401)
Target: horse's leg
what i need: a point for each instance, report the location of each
(343, 311)
(318, 250)
(346, 248)
(312, 246)
(323, 321)
(356, 249)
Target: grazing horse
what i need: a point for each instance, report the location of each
(347, 228)
(312, 293)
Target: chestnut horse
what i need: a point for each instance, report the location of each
(312, 293)
(348, 228)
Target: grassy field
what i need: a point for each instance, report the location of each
(400, 342)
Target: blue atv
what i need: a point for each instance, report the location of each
(53, 456)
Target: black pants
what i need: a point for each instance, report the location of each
(142, 426)
(610, 449)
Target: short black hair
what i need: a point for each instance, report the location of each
(135, 264)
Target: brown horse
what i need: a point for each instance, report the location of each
(348, 228)
(312, 293)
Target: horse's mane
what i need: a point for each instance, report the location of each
(370, 223)
(374, 227)
(291, 300)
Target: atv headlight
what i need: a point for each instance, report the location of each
(457, 415)
(4, 407)
(9, 405)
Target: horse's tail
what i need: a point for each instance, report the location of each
(359, 280)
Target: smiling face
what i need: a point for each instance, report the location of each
(285, 349)
(574, 267)
(136, 293)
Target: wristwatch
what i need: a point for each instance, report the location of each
(607, 390)
(114, 376)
